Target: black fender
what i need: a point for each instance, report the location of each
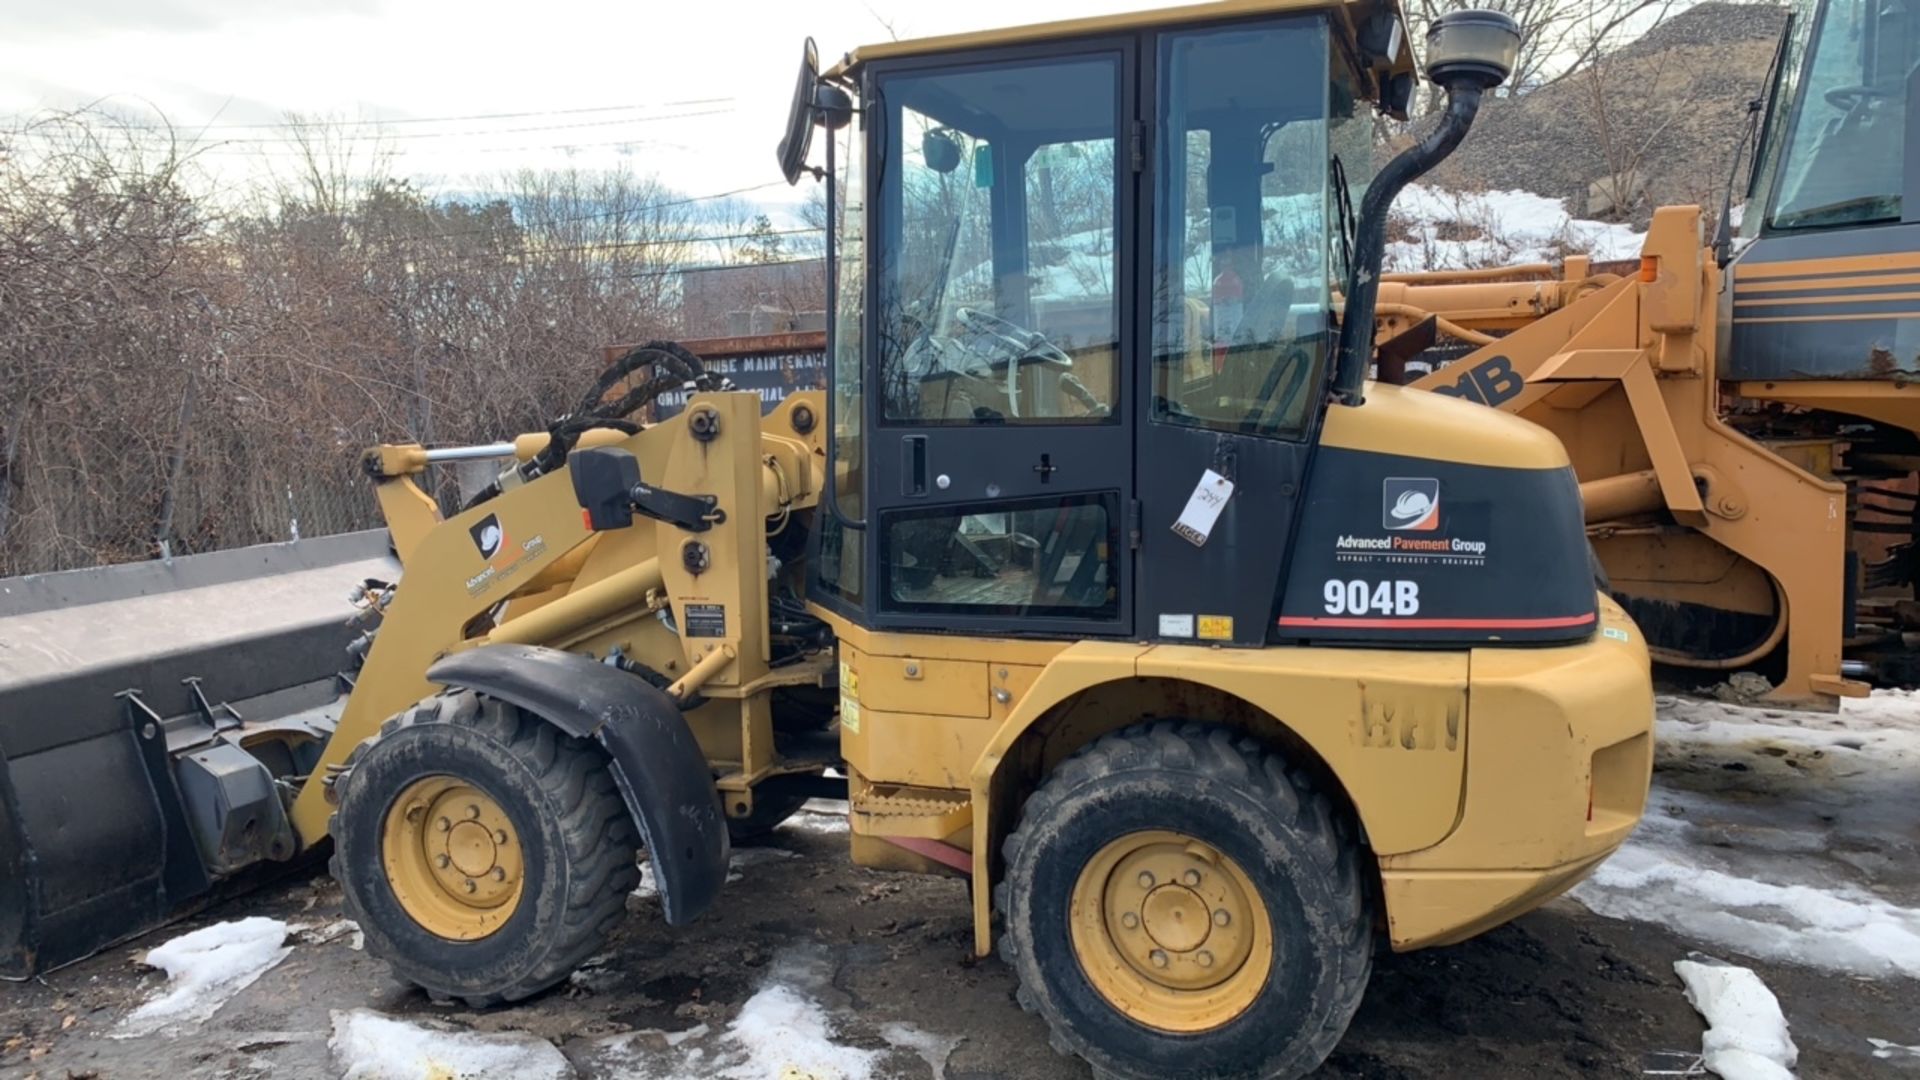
(662, 774)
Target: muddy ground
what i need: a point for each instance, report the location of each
(1560, 993)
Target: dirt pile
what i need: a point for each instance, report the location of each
(1657, 121)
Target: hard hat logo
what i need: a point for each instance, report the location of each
(487, 536)
(1410, 504)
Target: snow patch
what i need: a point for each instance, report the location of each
(206, 968)
(785, 1031)
(1831, 928)
(369, 1046)
(821, 816)
(1746, 1035)
(648, 888)
(1451, 230)
(1884, 1050)
(1781, 835)
(323, 933)
(933, 1049)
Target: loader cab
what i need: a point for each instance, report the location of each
(1084, 291)
(1836, 145)
(1834, 198)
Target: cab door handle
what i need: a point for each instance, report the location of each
(913, 465)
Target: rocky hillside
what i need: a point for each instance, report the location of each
(1657, 121)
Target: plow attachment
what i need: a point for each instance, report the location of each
(155, 721)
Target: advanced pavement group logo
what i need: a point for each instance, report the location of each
(1410, 504)
(487, 536)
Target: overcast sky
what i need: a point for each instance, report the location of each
(692, 90)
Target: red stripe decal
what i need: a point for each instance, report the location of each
(1553, 623)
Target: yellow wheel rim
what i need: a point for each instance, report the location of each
(453, 858)
(1171, 932)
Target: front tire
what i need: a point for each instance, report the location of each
(484, 853)
(1178, 903)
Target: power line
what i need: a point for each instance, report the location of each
(218, 145)
(619, 245)
(618, 211)
(371, 135)
(446, 119)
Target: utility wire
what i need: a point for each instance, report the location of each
(443, 119)
(618, 245)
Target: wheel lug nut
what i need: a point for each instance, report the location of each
(1221, 918)
(1203, 958)
(1191, 877)
(415, 814)
(1146, 879)
(441, 861)
(1158, 957)
(499, 836)
(472, 885)
(499, 873)
(1130, 920)
(473, 810)
(443, 824)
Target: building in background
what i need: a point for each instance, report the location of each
(754, 299)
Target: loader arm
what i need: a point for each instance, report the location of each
(1638, 355)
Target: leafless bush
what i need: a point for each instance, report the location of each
(183, 370)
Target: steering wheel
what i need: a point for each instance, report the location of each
(1019, 344)
(1847, 98)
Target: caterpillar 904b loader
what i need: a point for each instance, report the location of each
(1207, 668)
(1741, 412)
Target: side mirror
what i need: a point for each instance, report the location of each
(799, 137)
(940, 151)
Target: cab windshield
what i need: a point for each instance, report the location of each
(1843, 157)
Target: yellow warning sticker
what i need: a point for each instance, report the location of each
(849, 680)
(849, 713)
(1214, 627)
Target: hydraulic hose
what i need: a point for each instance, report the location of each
(1355, 352)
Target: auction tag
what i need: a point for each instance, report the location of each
(1203, 508)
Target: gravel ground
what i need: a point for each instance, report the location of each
(896, 994)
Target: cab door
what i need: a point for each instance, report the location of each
(1001, 450)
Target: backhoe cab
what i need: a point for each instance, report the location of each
(1099, 572)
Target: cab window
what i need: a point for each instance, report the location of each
(1244, 235)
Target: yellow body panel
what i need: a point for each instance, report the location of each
(1398, 420)
(1472, 822)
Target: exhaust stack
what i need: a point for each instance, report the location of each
(1468, 53)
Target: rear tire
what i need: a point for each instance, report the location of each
(462, 766)
(1216, 839)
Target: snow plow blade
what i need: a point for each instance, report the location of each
(154, 721)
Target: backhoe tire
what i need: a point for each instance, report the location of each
(1178, 902)
(484, 853)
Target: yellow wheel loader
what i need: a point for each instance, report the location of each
(1740, 410)
(1099, 572)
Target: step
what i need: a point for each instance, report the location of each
(903, 810)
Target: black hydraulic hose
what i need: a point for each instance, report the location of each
(1355, 352)
(669, 358)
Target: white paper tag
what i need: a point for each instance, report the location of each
(1176, 625)
(1203, 508)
